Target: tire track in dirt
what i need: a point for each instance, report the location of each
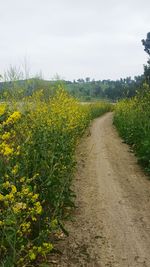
(111, 225)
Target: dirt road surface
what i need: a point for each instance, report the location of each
(111, 225)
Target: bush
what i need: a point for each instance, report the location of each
(38, 138)
(132, 121)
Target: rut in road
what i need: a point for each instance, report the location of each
(111, 225)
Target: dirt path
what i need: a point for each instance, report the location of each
(111, 226)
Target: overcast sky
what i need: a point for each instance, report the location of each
(100, 39)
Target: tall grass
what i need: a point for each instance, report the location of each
(132, 119)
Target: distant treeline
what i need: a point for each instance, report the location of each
(83, 89)
(106, 89)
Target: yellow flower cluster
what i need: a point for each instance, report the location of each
(6, 136)
(43, 250)
(16, 115)
(37, 147)
(5, 149)
(3, 108)
(19, 206)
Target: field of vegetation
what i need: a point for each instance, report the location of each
(84, 90)
(132, 119)
(38, 137)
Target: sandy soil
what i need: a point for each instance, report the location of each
(111, 225)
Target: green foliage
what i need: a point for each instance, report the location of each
(146, 44)
(132, 121)
(106, 89)
(83, 90)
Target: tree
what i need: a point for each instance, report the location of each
(13, 74)
(80, 80)
(146, 44)
(87, 79)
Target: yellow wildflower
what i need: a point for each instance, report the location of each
(19, 206)
(2, 109)
(1, 197)
(13, 117)
(15, 169)
(32, 255)
(38, 207)
(6, 136)
(6, 150)
(25, 190)
(6, 184)
(39, 249)
(25, 227)
(13, 189)
(9, 197)
(22, 179)
(35, 197)
(34, 219)
(48, 246)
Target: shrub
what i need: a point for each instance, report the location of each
(38, 138)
